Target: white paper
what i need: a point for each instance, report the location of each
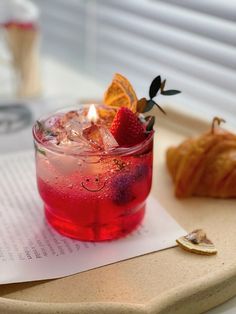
(32, 250)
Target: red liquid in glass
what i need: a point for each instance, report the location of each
(94, 199)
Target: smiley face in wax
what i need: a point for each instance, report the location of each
(93, 184)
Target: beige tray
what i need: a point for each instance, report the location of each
(170, 281)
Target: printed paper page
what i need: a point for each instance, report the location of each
(30, 249)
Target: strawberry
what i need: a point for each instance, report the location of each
(127, 128)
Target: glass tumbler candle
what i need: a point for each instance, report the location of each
(90, 193)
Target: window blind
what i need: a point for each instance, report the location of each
(191, 43)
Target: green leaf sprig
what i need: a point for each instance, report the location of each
(156, 86)
(150, 121)
(43, 129)
(39, 150)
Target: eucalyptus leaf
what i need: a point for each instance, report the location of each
(39, 150)
(147, 118)
(49, 133)
(150, 124)
(40, 125)
(44, 130)
(162, 110)
(155, 86)
(163, 83)
(170, 92)
(149, 105)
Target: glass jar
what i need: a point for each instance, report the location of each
(94, 196)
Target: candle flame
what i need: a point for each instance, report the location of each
(92, 114)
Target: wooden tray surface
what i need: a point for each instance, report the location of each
(169, 281)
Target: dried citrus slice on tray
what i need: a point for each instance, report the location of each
(197, 242)
(120, 93)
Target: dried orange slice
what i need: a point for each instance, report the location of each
(120, 93)
(197, 242)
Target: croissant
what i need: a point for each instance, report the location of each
(206, 165)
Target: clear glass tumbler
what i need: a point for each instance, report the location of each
(94, 196)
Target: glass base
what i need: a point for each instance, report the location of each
(120, 227)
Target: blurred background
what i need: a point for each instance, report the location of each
(59, 52)
(191, 43)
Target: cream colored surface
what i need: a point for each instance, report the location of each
(170, 281)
